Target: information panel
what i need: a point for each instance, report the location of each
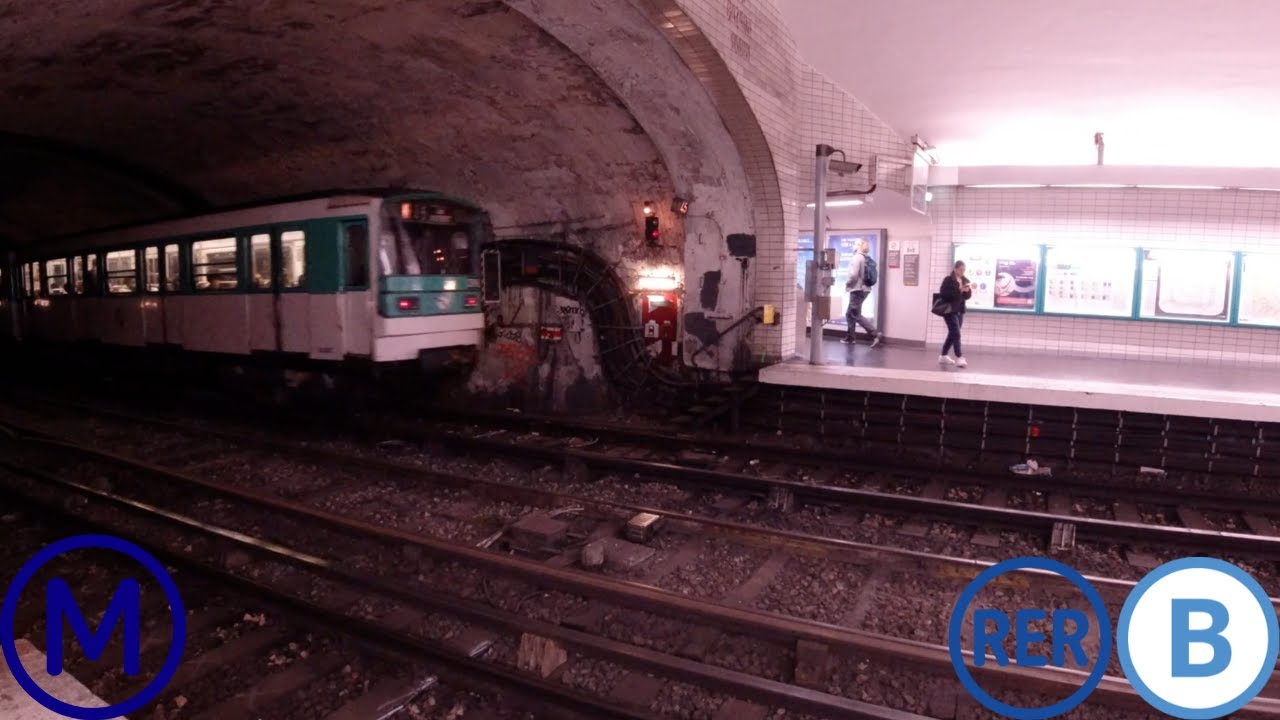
(1003, 278)
(1259, 289)
(1090, 281)
(1187, 285)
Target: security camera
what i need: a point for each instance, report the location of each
(842, 167)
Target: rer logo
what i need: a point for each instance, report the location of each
(61, 609)
(1197, 638)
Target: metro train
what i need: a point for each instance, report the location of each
(369, 278)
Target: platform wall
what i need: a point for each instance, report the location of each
(1206, 219)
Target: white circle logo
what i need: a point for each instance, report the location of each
(1198, 638)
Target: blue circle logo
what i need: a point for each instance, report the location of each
(14, 593)
(971, 591)
(1198, 638)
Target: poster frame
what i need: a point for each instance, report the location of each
(1135, 313)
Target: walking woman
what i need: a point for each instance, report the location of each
(955, 290)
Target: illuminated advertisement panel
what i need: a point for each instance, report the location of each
(1259, 289)
(845, 245)
(1003, 278)
(1089, 281)
(1187, 285)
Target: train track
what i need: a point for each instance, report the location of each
(253, 650)
(789, 631)
(773, 692)
(1195, 519)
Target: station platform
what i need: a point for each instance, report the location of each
(1187, 389)
(16, 704)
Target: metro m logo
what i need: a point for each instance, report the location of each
(125, 607)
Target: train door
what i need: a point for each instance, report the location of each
(289, 256)
(357, 297)
(263, 297)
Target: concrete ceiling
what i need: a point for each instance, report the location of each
(237, 101)
(1028, 82)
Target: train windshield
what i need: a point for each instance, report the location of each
(422, 238)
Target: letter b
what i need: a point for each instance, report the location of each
(1183, 637)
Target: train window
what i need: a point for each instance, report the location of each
(122, 272)
(55, 272)
(77, 274)
(27, 287)
(356, 247)
(213, 264)
(260, 263)
(92, 277)
(293, 259)
(37, 287)
(151, 269)
(172, 269)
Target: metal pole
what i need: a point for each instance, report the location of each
(822, 274)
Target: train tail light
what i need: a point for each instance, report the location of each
(407, 303)
(472, 301)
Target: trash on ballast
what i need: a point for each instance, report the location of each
(1030, 467)
(1159, 472)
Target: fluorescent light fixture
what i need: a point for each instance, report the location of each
(1090, 185)
(841, 203)
(1181, 187)
(1262, 189)
(658, 278)
(1002, 186)
(657, 283)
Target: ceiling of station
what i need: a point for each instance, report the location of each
(1029, 82)
(235, 101)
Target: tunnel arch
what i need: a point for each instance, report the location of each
(682, 92)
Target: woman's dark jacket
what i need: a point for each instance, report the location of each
(950, 292)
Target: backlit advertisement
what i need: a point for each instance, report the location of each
(845, 245)
(1187, 285)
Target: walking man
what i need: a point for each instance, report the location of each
(862, 276)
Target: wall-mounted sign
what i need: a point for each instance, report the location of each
(895, 254)
(911, 270)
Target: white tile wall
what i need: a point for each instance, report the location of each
(1130, 217)
(832, 116)
(757, 97)
(777, 109)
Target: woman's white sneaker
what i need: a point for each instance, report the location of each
(944, 360)
(961, 362)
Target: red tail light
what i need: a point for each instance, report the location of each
(407, 303)
(472, 301)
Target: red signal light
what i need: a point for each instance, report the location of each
(651, 230)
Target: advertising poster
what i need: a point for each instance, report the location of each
(845, 245)
(1090, 281)
(1016, 284)
(1259, 291)
(984, 266)
(1187, 285)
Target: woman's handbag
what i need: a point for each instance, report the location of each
(941, 307)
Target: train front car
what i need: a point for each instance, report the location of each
(428, 304)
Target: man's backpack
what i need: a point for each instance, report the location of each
(869, 275)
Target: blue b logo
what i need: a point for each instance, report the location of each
(1197, 638)
(123, 610)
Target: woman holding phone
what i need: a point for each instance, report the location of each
(955, 290)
